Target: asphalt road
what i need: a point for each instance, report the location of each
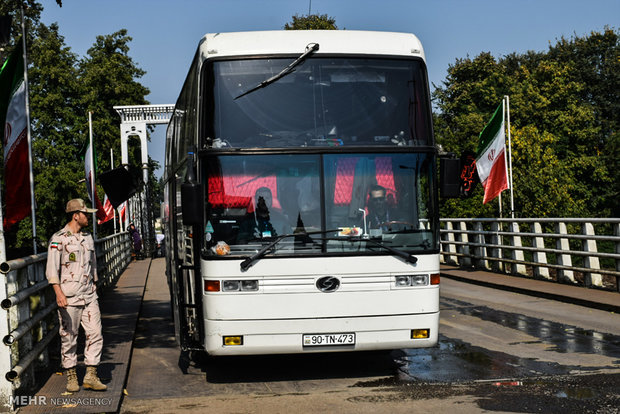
(498, 352)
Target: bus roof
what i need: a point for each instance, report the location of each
(285, 42)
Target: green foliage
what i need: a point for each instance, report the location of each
(312, 22)
(564, 121)
(55, 111)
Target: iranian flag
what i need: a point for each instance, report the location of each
(14, 122)
(491, 156)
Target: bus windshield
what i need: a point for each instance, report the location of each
(334, 203)
(322, 102)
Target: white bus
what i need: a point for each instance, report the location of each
(301, 208)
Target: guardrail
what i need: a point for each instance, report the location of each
(579, 251)
(30, 303)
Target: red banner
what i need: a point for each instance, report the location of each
(13, 121)
(108, 211)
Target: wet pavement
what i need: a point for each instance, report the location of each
(457, 360)
(597, 393)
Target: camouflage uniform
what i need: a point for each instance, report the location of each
(71, 262)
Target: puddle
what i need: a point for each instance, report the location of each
(453, 360)
(563, 338)
(577, 393)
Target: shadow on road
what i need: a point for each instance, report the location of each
(267, 368)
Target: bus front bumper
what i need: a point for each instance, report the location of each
(253, 337)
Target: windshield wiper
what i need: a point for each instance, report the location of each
(311, 48)
(245, 265)
(399, 253)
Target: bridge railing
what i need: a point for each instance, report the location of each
(580, 251)
(29, 301)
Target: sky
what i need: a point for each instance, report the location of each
(166, 33)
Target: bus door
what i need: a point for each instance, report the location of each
(186, 281)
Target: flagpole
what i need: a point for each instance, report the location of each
(92, 169)
(29, 136)
(111, 168)
(500, 193)
(500, 205)
(2, 242)
(512, 197)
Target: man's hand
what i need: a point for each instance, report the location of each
(61, 299)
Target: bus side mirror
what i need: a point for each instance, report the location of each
(449, 177)
(192, 204)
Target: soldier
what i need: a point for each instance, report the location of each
(72, 272)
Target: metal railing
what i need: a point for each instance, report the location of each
(30, 303)
(580, 251)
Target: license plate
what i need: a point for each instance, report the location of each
(329, 339)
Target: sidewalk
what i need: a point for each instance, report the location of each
(592, 298)
(120, 307)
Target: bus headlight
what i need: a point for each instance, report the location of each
(239, 285)
(249, 285)
(231, 285)
(402, 281)
(411, 280)
(419, 280)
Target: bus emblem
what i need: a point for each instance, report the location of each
(328, 284)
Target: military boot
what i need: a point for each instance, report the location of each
(91, 380)
(72, 381)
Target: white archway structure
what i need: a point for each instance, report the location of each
(134, 122)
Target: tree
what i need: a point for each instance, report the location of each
(312, 22)
(596, 62)
(55, 105)
(559, 167)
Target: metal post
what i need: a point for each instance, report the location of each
(465, 259)
(591, 262)
(517, 268)
(92, 169)
(496, 240)
(617, 249)
(567, 276)
(111, 168)
(6, 388)
(451, 247)
(512, 197)
(480, 251)
(539, 256)
(29, 135)
(2, 240)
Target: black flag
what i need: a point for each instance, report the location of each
(469, 174)
(118, 184)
